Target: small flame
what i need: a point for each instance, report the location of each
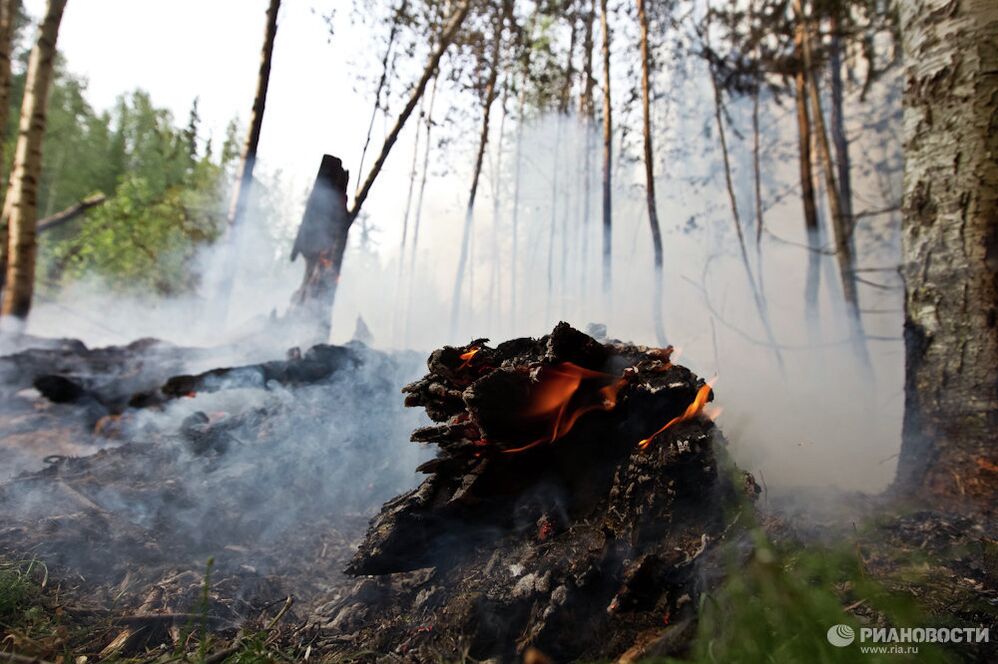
(468, 356)
(694, 409)
(556, 388)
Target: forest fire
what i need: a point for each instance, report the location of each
(558, 399)
(696, 407)
(488, 534)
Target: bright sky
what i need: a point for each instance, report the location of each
(181, 49)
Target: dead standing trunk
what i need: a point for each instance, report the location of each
(314, 301)
(321, 241)
(607, 157)
(483, 139)
(656, 233)
(20, 210)
(950, 251)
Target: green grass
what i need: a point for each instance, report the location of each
(778, 605)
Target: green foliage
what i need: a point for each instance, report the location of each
(165, 195)
(777, 607)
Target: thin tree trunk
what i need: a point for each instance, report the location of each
(554, 218)
(813, 279)
(656, 234)
(495, 288)
(412, 186)
(517, 167)
(396, 18)
(244, 181)
(446, 38)
(8, 14)
(20, 210)
(244, 176)
(587, 106)
(843, 243)
(419, 214)
(566, 88)
(837, 121)
(490, 97)
(607, 156)
(757, 180)
(760, 305)
(949, 249)
(397, 310)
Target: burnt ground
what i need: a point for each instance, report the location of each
(173, 527)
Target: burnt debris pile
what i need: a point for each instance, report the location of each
(271, 469)
(576, 486)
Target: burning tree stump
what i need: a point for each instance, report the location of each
(322, 240)
(575, 487)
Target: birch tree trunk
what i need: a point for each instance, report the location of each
(656, 233)
(607, 156)
(8, 13)
(950, 250)
(20, 210)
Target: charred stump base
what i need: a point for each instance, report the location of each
(577, 485)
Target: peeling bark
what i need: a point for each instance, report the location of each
(950, 250)
(8, 12)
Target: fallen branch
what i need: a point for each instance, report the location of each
(70, 213)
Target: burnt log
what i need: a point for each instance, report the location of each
(576, 487)
(318, 364)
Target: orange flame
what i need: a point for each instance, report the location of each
(467, 357)
(694, 409)
(556, 388)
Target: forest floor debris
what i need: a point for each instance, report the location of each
(184, 534)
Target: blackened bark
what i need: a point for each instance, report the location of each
(321, 241)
